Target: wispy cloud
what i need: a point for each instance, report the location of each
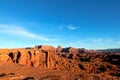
(70, 27)
(20, 31)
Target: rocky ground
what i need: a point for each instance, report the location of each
(49, 63)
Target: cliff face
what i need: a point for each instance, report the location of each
(32, 57)
(40, 56)
(70, 59)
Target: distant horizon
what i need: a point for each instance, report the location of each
(90, 24)
(56, 47)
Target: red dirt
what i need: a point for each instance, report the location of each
(49, 63)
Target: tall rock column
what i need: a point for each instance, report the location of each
(37, 58)
(23, 59)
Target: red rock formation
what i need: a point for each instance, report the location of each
(45, 47)
(70, 50)
(59, 49)
(45, 57)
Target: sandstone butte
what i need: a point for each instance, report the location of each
(44, 62)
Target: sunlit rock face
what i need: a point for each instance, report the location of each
(59, 49)
(70, 59)
(45, 47)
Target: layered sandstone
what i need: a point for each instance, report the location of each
(71, 59)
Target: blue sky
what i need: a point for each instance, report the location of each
(91, 24)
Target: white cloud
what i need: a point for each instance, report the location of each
(70, 27)
(20, 31)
